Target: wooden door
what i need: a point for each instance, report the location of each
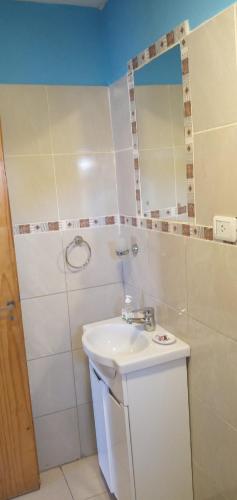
(18, 460)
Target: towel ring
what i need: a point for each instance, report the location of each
(77, 242)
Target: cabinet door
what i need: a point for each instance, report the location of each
(121, 456)
(99, 391)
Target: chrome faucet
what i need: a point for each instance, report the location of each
(144, 317)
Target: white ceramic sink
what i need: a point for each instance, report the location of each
(111, 339)
(115, 344)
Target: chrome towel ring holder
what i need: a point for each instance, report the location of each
(78, 241)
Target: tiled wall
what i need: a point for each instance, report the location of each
(192, 283)
(60, 165)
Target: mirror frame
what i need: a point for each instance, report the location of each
(162, 45)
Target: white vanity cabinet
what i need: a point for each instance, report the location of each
(142, 431)
(113, 438)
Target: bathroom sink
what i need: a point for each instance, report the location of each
(126, 348)
(111, 339)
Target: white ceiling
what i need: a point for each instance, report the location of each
(97, 4)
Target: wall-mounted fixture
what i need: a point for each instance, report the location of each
(122, 247)
(225, 228)
(78, 241)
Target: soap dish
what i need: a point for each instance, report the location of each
(164, 339)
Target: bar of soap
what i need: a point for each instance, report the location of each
(164, 339)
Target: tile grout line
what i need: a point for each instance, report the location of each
(91, 497)
(43, 155)
(74, 375)
(66, 481)
(61, 411)
(51, 355)
(71, 290)
(213, 410)
(212, 129)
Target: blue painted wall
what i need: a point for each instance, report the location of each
(58, 44)
(165, 70)
(133, 25)
(52, 44)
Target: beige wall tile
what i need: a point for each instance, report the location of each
(212, 370)
(40, 264)
(82, 376)
(52, 384)
(80, 119)
(32, 189)
(215, 174)
(126, 182)
(212, 60)
(214, 446)
(104, 267)
(212, 285)
(86, 185)
(57, 439)
(157, 178)
(24, 117)
(172, 320)
(153, 116)
(159, 268)
(204, 488)
(46, 325)
(166, 273)
(120, 115)
(87, 430)
(135, 269)
(93, 304)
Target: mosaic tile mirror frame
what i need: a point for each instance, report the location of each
(161, 46)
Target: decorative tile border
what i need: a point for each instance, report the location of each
(166, 212)
(174, 37)
(63, 225)
(173, 227)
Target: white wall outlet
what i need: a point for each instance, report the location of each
(225, 228)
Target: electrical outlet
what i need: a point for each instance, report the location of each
(225, 228)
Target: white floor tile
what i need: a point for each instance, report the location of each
(53, 487)
(84, 479)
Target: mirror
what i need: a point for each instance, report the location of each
(161, 141)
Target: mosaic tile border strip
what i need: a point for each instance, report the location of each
(163, 44)
(163, 212)
(164, 226)
(64, 225)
